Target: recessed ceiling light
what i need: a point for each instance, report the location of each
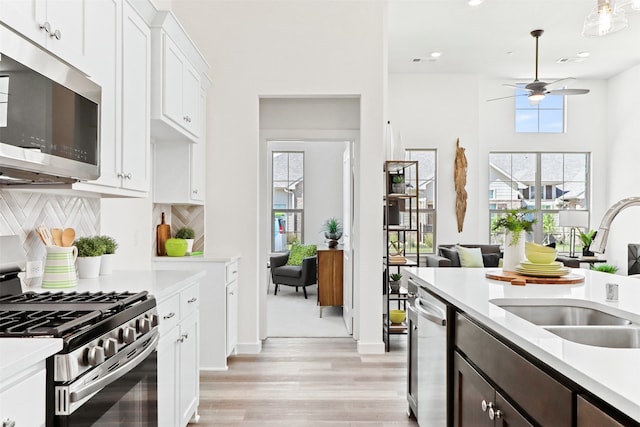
(436, 54)
(584, 54)
(475, 2)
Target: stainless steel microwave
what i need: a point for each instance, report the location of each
(49, 117)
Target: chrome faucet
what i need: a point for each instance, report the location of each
(602, 235)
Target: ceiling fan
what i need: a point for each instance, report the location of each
(537, 89)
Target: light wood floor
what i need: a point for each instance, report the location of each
(308, 382)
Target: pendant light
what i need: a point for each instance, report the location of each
(604, 19)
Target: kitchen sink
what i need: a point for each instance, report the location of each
(559, 313)
(600, 336)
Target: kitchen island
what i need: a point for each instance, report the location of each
(607, 376)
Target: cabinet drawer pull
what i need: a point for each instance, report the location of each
(8, 423)
(46, 27)
(234, 271)
(194, 299)
(169, 316)
(56, 35)
(486, 405)
(494, 414)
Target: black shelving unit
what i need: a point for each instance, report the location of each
(401, 237)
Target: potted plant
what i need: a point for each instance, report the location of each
(586, 239)
(333, 231)
(394, 282)
(515, 223)
(187, 234)
(90, 250)
(106, 261)
(397, 184)
(605, 268)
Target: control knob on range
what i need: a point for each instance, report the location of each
(129, 335)
(110, 347)
(154, 320)
(144, 325)
(95, 356)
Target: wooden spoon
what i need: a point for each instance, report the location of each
(68, 236)
(56, 233)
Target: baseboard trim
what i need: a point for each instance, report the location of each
(249, 348)
(371, 347)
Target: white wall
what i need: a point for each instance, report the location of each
(269, 48)
(623, 149)
(432, 111)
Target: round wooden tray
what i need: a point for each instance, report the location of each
(520, 279)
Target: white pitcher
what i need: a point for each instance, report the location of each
(60, 267)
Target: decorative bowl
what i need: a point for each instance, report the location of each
(397, 316)
(176, 247)
(539, 254)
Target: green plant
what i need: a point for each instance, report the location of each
(332, 226)
(185, 233)
(515, 221)
(395, 277)
(89, 246)
(398, 179)
(587, 238)
(110, 244)
(605, 268)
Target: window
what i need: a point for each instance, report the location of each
(287, 208)
(426, 196)
(563, 180)
(545, 117)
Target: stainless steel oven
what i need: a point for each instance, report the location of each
(125, 396)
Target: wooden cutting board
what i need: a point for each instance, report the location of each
(163, 233)
(521, 280)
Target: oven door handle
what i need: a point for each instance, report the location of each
(99, 384)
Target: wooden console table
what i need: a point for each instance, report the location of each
(330, 268)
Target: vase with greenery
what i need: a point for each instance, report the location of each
(586, 238)
(187, 234)
(90, 251)
(394, 282)
(106, 261)
(515, 223)
(333, 231)
(397, 184)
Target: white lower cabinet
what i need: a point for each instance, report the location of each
(178, 361)
(219, 301)
(22, 398)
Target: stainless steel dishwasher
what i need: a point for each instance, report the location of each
(427, 357)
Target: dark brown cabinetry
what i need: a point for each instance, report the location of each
(543, 400)
(478, 403)
(590, 415)
(330, 272)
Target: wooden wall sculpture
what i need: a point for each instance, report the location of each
(460, 180)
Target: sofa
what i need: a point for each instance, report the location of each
(447, 256)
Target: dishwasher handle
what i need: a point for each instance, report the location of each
(431, 312)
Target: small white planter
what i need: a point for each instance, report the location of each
(106, 264)
(189, 245)
(88, 267)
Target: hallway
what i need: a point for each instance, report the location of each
(308, 382)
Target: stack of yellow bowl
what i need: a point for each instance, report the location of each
(541, 262)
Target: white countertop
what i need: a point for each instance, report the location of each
(610, 373)
(18, 354)
(159, 283)
(196, 259)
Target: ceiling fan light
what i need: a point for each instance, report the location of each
(536, 97)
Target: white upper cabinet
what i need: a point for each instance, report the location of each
(119, 60)
(176, 82)
(57, 25)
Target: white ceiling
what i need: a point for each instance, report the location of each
(476, 39)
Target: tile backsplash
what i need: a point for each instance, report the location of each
(22, 211)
